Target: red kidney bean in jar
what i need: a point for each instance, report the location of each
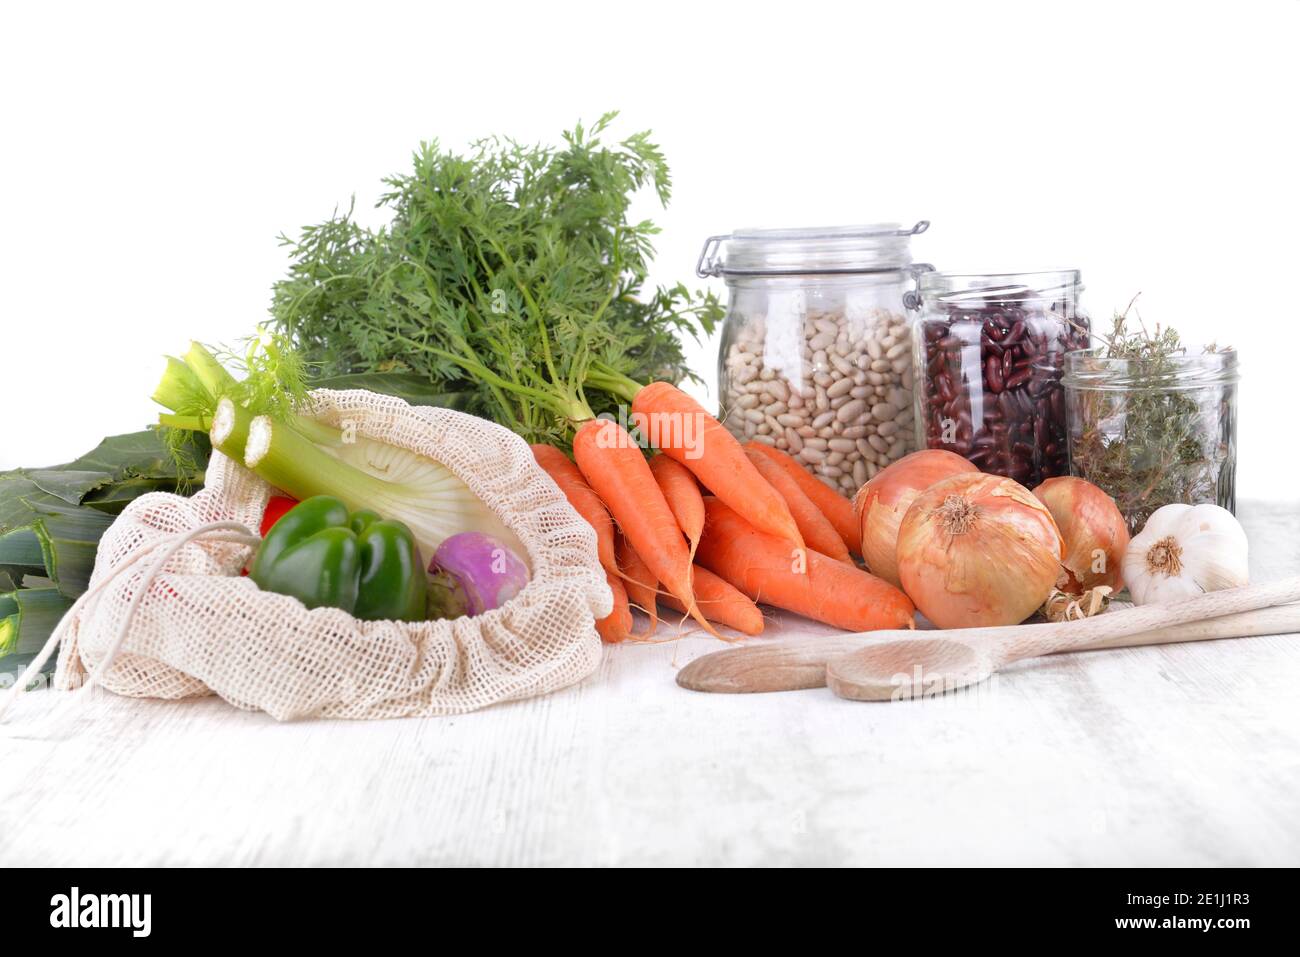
(990, 353)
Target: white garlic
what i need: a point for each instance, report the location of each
(1184, 551)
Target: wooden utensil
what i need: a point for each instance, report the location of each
(796, 665)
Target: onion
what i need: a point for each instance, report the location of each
(1094, 532)
(881, 503)
(977, 550)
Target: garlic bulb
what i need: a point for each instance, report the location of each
(1184, 551)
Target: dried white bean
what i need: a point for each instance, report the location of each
(839, 387)
(851, 410)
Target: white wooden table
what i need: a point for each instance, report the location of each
(1169, 755)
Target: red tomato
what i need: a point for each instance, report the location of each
(277, 506)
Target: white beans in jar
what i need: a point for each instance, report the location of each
(839, 404)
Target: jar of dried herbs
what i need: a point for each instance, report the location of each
(1151, 424)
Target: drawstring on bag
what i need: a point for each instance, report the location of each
(233, 532)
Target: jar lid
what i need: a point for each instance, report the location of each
(881, 247)
(1000, 287)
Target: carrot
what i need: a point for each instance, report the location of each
(679, 426)
(617, 625)
(580, 495)
(723, 603)
(837, 509)
(830, 591)
(615, 468)
(817, 530)
(683, 495)
(639, 580)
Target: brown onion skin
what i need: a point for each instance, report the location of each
(1089, 520)
(998, 571)
(881, 504)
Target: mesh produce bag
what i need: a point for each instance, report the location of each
(199, 628)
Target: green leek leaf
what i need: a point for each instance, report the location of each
(113, 498)
(70, 485)
(14, 488)
(134, 455)
(68, 542)
(27, 616)
(21, 548)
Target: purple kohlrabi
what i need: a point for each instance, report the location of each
(472, 573)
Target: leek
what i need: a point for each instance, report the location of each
(51, 521)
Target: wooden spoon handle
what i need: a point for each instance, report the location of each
(1278, 620)
(797, 665)
(1013, 643)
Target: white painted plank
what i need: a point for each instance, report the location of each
(1172, 755)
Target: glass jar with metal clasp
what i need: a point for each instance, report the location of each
(990, 353)
(816, 351)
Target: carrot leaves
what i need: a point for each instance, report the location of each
(503, 274)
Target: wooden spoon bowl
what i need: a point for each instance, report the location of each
(916, 668)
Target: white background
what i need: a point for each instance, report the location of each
(151, 155)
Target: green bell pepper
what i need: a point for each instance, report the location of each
(326, 556)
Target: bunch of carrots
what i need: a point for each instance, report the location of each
(713, 528)
(708, 528)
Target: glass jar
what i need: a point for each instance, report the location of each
(1149, 432)
(990, 352)
(815, 357)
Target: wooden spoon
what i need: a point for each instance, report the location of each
(800, 664)
(955, 659)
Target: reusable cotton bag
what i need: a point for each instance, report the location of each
(187, 623)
